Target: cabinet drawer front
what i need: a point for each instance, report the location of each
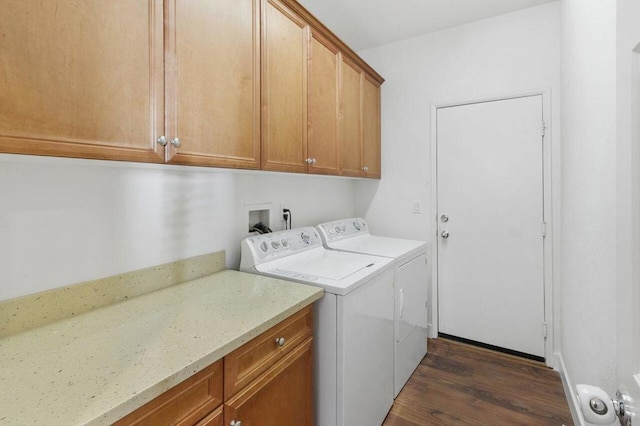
(185, 403)
(214, 419)
(254, 358)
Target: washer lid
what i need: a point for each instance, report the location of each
(330, 266)
(378, 246)
(338, 272)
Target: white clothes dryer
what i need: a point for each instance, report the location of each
(411, 291)
(353, 322)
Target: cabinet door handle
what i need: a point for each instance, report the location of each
(235, 423)
(365, 169)
(280, 341)
(162, 140)
(175, 142)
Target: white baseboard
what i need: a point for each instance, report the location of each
(570, 392)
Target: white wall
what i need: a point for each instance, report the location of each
(64, 221)
(589, 190)
(499, 56)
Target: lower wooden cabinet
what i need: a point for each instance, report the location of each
(267, 381)
(184, 404)
(282, 396)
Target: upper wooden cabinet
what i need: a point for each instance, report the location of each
(285, 42)
(351, 120)
(82, 78)
(359, 123)
(93, 81)
(371, 127)
(226, 83)
(323, 105)
(213, 85)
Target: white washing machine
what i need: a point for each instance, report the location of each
(353, 322)
(411, 292)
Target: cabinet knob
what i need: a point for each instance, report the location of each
(313, 161)
(365, 169)
(280, 341)
(162, 140)
(307, 160)
(175, 142)
(235, 423)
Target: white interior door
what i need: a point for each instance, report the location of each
(490, 223)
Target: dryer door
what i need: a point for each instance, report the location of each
(410, 319)
(412, 297)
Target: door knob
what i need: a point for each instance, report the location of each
(444, 234)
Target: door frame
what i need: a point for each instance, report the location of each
(551, 191)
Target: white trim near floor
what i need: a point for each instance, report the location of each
(570, 392)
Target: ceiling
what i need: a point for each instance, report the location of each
(363, 24)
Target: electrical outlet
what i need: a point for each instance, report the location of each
(282, 213)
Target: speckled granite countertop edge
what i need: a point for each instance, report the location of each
(96, 367)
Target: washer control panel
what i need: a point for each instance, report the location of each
(282, 243)
(344, 228)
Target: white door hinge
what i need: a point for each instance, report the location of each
(544, 129)
(544, 330)
(543, 229)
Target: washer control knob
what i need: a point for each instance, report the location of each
(285, 243)
(275, 244)
(338, 229)
(343, 228)
(264, 247)
(356, 225)
(305, 238)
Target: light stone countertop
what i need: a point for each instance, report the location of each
(98, 366)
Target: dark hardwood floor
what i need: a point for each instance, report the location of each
(460, 384)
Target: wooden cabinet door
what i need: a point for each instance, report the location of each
(351, 120)
(282, 396)
(284, 89)
(82, 78)
(323, 106)
(371, 128)
(213, 87)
